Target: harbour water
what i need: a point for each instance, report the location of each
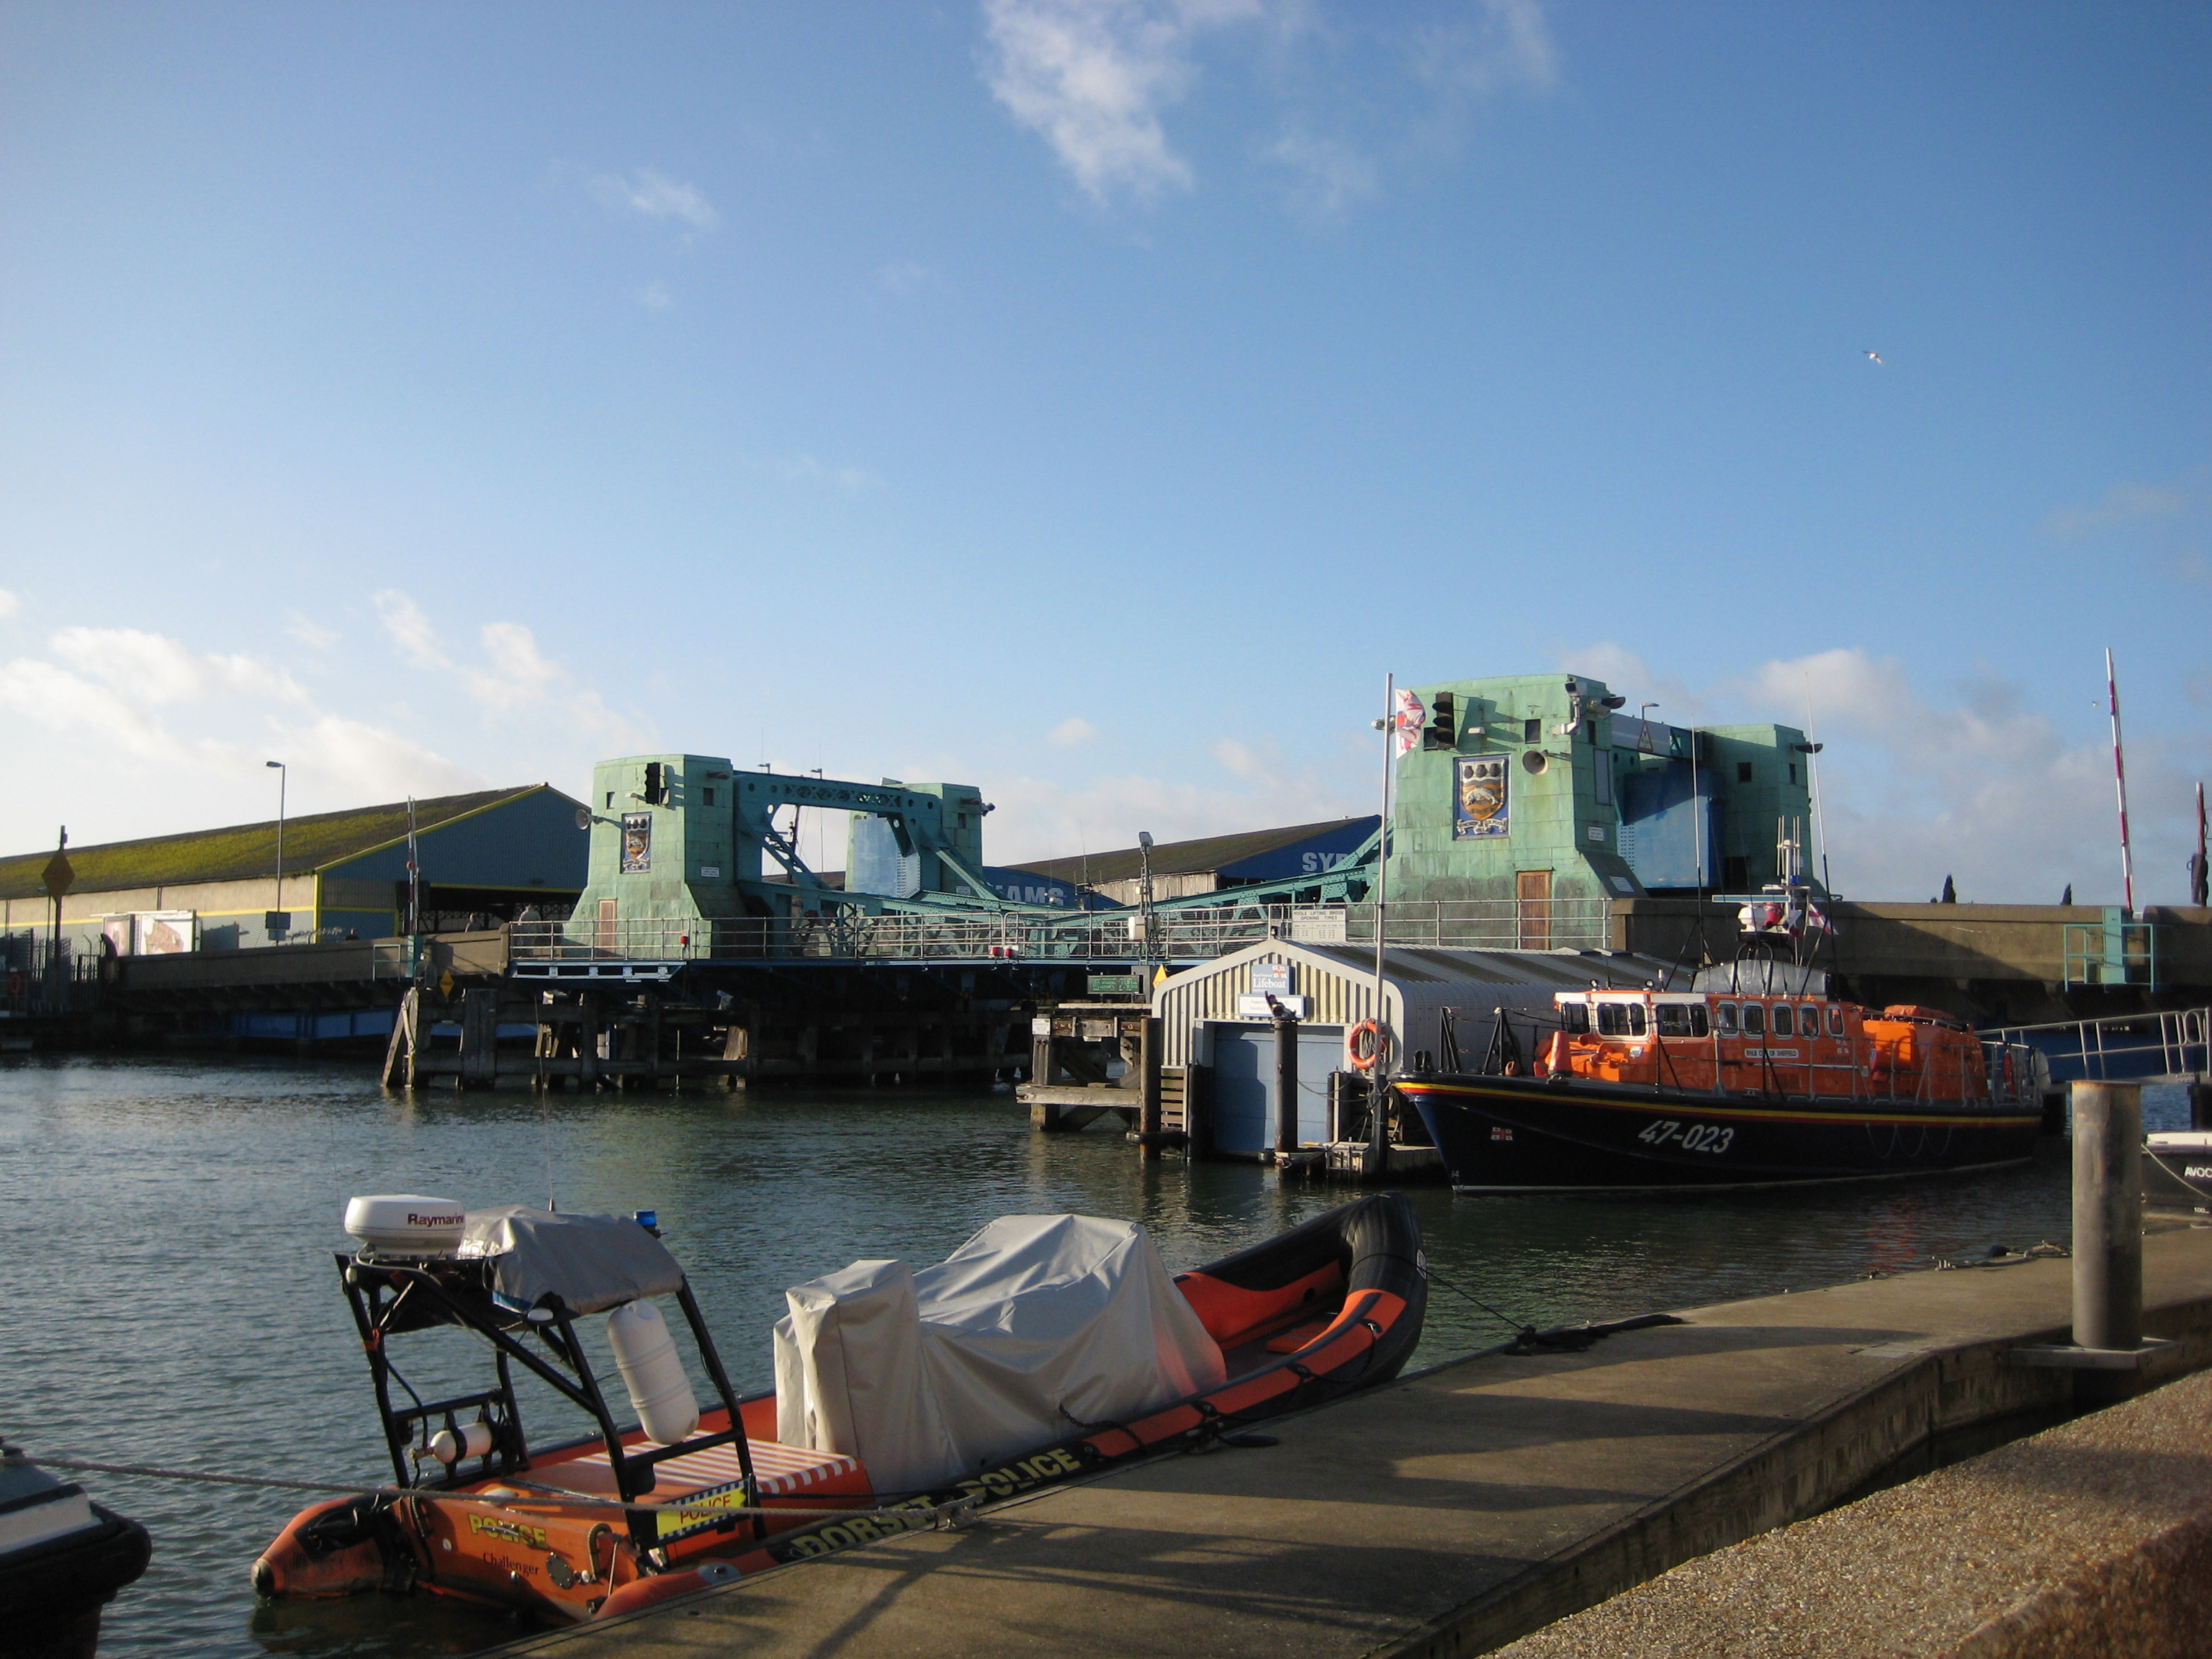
(170, 1296)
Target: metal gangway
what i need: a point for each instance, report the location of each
(2168, 1046)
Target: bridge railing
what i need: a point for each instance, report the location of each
(1196, 933)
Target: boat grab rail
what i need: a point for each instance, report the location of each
(552, 1496)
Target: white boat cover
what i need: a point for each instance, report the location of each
(1036, 1327)
(592, 1262)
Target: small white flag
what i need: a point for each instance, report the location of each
(1411, 716)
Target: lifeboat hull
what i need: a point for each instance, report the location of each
(1520, 1134)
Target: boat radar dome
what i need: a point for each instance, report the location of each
(406, 1223)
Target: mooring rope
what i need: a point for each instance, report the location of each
(553, 1495)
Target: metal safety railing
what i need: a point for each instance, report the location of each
(1172, 934)
(2113, 952)
(2176, 1043)
(37, 978)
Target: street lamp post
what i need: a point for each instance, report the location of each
(278, 921)
(1144, 888)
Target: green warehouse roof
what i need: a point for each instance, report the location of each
(313, 842)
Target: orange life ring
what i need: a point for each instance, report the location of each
(1373, 1032)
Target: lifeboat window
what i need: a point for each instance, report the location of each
(1725, 1018)
(1674, 1019)
(1574, 1016)
(1809, 1020)
(1835, 1022)
(1781, 1019)
(1698, 1019)
(1754, 1019)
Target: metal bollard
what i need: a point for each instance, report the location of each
(2108, 1215)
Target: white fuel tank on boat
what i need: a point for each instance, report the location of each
(653, 1371)
(406, 1223)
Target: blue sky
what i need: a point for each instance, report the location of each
(1093, 399)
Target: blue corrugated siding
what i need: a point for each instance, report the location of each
(532, 842)
(1316, 855)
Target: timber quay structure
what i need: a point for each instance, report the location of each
(907, 999)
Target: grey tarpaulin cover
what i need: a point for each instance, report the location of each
(591, 1262)
(1036, 1327)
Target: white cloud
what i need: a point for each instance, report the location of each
(654, 296)
(9, 605)
(310, 634)
(121, 733)
(518, 671)
(1507, 44)
(152, 669)
(1072, 733)
(507, 675)
(410, 628)
(1979, 785)
(1040, 819)
(2125, 502)
(654, 196)
(1329, 176)
(1092, 76)
(904, 277)
(804, 468)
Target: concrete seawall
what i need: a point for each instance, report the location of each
(1452, 1512)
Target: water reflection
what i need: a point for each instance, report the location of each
(171, 1295)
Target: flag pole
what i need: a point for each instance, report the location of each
(1382, 880)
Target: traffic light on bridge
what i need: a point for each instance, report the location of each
(1442, 732)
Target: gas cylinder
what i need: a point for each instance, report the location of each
(653, 1371)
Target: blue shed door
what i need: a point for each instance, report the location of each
(1244, 1086)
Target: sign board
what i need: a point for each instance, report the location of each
(1114, 984)
(1273, 976)
(1479, 799)
(163, 933)
(1040, 1026)
(58, 874)
(276, 923)
(1253, 1006)
(637, 843)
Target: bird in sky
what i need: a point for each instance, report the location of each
(1875, 357)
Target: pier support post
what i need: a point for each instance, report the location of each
(479, 1037)
(1148, 1105)
(1286, 1087)
(2200, 1105)
(2108, 1215)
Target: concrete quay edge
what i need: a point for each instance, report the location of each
(2089, 1539)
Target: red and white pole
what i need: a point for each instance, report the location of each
(2120, 783)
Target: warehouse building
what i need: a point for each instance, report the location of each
(484, 857)
(1214, 864)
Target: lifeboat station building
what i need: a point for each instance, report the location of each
(485, 857)
(1543, 787)
(1216, 1029)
